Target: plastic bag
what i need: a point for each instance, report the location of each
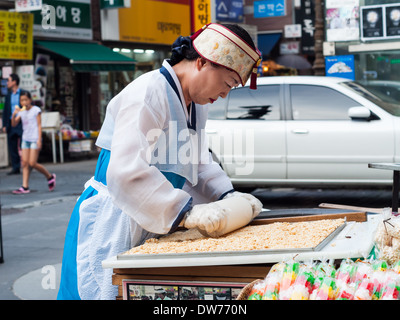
(322, 270)
(273, 282)
(326, 291)
(346, 272)
(346, 292)
(257, 291)
(391, 288)
(365, 290)
(387, 237)
(303, 285)
(289, 276)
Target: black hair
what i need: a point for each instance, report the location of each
(25, 93)
(182, 47)
(15, 77)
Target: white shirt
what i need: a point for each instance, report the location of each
(136, 187)
(29, 124)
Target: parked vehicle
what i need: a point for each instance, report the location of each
(387, 90)
(304, 131)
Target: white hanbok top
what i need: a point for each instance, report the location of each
(139, 130)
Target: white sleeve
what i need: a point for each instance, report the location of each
(138, 189)
(213, 183)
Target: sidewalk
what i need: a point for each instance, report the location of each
(33, 229)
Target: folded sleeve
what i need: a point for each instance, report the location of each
(137, 188)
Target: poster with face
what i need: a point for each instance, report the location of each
(372, 22)
(393, 21)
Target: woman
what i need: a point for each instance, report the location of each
(154, 169)
(30, 116)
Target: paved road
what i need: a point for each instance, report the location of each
(33, 227)
(34, 224)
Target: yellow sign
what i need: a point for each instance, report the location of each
(201, 13)
(16, 36)
(154, 21)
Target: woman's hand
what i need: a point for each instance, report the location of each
(210, 218)
(255, 203)
(39, 144)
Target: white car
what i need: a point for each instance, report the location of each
(304, 131)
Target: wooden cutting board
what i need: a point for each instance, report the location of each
(350, 216)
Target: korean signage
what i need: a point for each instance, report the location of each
(269, 8)
(292, 31)
(201, 11)
(340, 66)
(229, 10)
(291, 47)
(64, 19)
(151, 21)
(305, 16)
(342, 20)
(16, 35)
(28, 5)
(380, 22)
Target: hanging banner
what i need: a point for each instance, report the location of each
(152, 21)
(270, 8)
(342, 20)
(340, 66)
(65, 19)
(201, 11)
(16, 36)
(28, 5)
(305, 16)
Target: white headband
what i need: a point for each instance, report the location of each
(221, 46)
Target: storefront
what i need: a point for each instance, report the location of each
(74, 80)
(157, 24)
(146, 57)
(366, 34)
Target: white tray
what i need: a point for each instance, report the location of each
(352, 240)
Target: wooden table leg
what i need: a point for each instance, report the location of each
(395, 192)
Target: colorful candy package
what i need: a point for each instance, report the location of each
(303, 285)
(257, 291)
(326, 291)
(289, 276)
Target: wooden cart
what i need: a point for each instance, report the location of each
(237, 269)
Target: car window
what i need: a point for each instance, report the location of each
(319, 103)
(263, 103)
(386, 104)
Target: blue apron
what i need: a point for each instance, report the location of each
(69, 278)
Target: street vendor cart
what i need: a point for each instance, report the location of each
(222, 275)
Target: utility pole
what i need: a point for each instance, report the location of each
(319, 63)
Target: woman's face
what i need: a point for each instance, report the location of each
(211, 82)
(24, 101)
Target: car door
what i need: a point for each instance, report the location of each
(251, 142)
(325, 145)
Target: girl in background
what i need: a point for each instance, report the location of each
(30, 116)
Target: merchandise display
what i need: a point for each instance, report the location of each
(352, 280)
(279, 235)
(387, 238)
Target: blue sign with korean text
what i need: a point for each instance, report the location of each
(269, 8)
(340, 66)
(229, 10)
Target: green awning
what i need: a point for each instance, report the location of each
(86, 57)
